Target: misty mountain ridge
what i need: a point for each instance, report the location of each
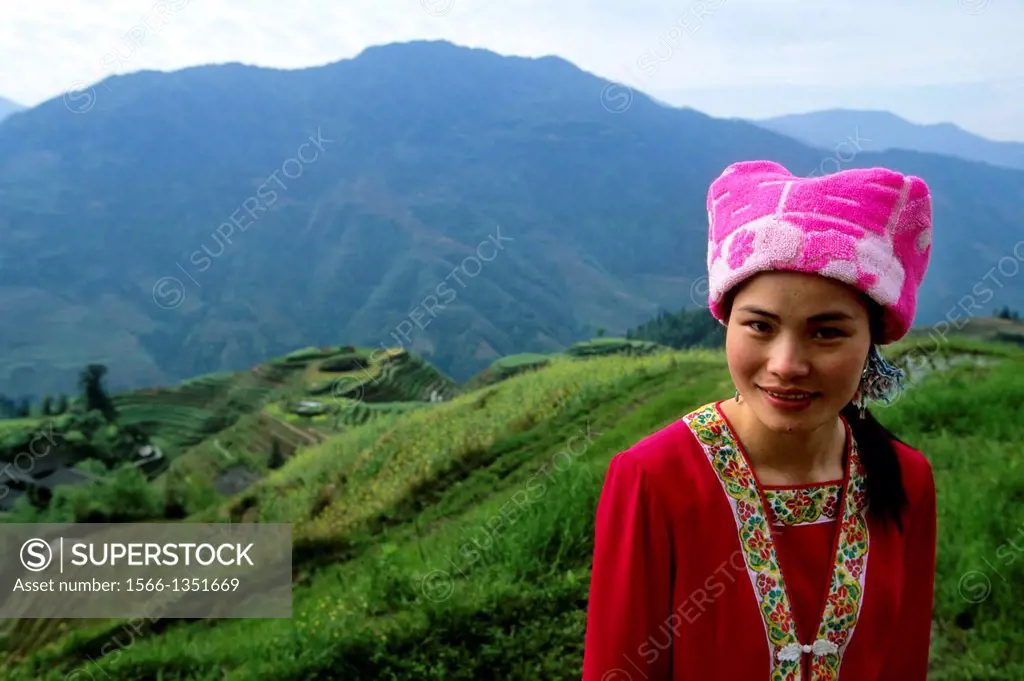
(142, 233)
(881, 131)
(7, 107)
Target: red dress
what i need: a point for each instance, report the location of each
(694, 581)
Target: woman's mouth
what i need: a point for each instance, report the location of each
(790, 399)
(789, 395)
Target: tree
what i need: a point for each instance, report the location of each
(95, 395)
(276, 459)
(600, 332)
(8, 409)
(25, 408)
(62, 405)
(47, 407)
(175, 493)
(687, 328)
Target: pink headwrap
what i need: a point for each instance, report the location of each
(870, 228)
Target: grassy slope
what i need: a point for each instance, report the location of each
(513, 365)
(19, 430)
(186, 415)
(403, 570)
(223, 422)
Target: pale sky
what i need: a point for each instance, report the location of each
(929, 61)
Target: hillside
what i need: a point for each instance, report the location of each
(881, 130)
(994, 329)
(220, 432)
(460, 204)
(513, 365)
(685, 328)
(398, 573)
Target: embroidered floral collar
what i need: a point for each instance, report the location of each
(751, 512)
(805, 505)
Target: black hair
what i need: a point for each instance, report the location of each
(885, 492)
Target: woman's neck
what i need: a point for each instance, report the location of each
(789, 458)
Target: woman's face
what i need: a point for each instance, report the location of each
(796, 345)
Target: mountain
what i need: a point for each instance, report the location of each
(881, 130)
(686, 328)
(453, 201)
(7, 107)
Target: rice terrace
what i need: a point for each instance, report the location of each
(445, 531)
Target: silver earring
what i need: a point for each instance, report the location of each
(858, 397)
(737, 398)
(858, 400)
(863, 389)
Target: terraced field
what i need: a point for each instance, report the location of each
(613, 346)
(220, 429)
(513, 365)
(374, 376)
(239, 452)
(409, 564)
(178, 418)
(353, 385)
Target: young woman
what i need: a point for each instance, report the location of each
(783, 533)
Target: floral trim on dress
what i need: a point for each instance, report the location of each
(846, 588)
(792, 506)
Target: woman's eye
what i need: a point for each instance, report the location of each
(759, 326)
(830, 333)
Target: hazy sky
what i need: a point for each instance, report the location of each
(929, 61)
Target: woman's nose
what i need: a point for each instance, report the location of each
(788, 358)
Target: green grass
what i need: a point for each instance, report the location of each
(507, 367)
(513, 365)
(391, 515)
(17, 431)
(605, 346)
(969, 421)
(522, 359)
